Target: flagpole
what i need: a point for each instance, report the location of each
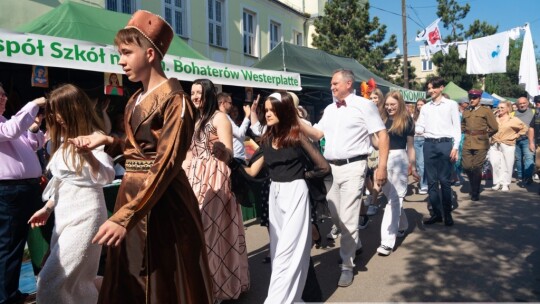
(405, 57)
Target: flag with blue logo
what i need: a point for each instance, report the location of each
(488, 54)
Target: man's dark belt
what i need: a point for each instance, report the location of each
(438, 140)
(476, 132)
(341, 162)
(15, 182)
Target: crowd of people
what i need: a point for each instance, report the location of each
(176, 234)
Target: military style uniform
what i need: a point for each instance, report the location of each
(478, 125)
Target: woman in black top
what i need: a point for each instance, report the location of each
(400, 128)
(285, 151)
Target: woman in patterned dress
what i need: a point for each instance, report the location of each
(209, 175)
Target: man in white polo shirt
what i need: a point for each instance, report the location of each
(347, 125)
(440, 123)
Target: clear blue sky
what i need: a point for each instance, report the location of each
(506, 14)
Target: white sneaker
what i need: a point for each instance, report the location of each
(334, 233)
(372, 210)
(384, 250)
(422, 191)
(505, 188)
(536, 177)
(496, 187)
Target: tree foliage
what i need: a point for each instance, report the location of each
(346, 30)
(450, 66)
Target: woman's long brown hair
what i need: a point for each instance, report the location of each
(79, 116)
(286, 133)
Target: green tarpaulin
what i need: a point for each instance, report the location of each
(455, 92)
(315, 66)
(82, 22)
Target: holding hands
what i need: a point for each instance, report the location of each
(89, 142)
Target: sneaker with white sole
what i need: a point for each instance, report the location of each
(505, 188)
(384, 250)
(422, 191)
(372, 210)
(334, 233)
(496, 187)
(363, 222)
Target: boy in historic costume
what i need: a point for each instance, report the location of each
(157, 252)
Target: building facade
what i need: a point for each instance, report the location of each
(230, 31)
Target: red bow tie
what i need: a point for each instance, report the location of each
(339, 104)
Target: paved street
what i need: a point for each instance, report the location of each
(492, 253)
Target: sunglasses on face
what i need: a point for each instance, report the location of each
(473, 96)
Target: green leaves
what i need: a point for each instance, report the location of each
(346, 30)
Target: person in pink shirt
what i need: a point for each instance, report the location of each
(20, 195)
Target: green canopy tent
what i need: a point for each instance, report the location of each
(455, 92)
(315, 68)
(82, 22)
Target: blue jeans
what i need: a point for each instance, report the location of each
(524, 159)
(419, 152)
(17, 204)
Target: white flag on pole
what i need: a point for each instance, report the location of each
(432, 36)
(528, 74)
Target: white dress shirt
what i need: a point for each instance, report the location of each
(439, 120)
(347, 128)
(239, 134)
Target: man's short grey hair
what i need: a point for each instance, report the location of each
(346, 74)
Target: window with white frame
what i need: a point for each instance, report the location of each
(427, 65)
(249, 21)
(174, 12)
(298, 38)
(275, 34)
(121, 6)
(216, 21)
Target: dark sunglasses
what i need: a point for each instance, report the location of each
(473, 96)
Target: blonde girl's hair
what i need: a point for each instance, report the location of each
(79, 116)
(380, 104)
(401, 119)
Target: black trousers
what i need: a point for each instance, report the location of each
(438, 172)
(17, 204)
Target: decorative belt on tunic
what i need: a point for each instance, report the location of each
(476, 132)
(138, 165)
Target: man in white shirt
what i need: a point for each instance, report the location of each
(239, 132)
(440, 123)
(347, 125)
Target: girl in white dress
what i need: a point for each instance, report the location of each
(75, 194)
